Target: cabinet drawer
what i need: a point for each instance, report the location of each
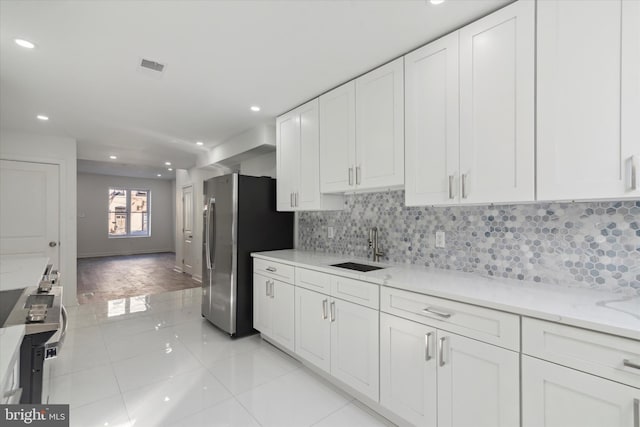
(313, 280)
(356, 291)
(491, 326)
(593, 352)
(274, 270)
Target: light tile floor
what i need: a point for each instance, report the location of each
(154, 361)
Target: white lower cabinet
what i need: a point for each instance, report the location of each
(431, 377)
(339, 337)
(313, 331)
(573, 377)
(556, 396)
(408, 369)
(273, 310)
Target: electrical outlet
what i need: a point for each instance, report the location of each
(440, 241)
(330, 232)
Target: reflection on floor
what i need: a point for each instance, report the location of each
(108, 278)
(153, 361)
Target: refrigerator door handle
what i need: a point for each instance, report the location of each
(211, 217)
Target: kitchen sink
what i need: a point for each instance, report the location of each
(356, 266)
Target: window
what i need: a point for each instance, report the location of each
(128, 212)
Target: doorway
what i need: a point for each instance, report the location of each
(187, 229)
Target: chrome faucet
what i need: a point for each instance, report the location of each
(373, 244)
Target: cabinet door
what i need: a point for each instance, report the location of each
(287, 159)
(585, 78)
(313, 328)
(380, 127)
(338, 139)
(262, 304)
(431, 123)
(354, 346)
(555, 396)
(478, 383)
(497, 106)
(282, 317)
(408, 370)
(308, 190)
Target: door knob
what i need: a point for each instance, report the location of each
(53, 244)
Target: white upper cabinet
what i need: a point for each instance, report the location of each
(497, 106)
(298, 162)
(470, 113)
(431, 123)
(380, 127)
(362, 132)
(287, 159)
(588, 99)
(338, 139)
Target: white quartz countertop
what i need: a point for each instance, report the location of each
(591, 309)
(10, 340)
(21, 271)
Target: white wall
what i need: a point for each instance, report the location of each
(264, 165)
(196, 178)
(60, 151)
(93, 238)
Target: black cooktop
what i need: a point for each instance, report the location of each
(8, 300)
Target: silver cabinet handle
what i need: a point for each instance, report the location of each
(351, 176)
(295, 199)
(464, 185)
(273, 294)
(333, 311)
(358, 173)
(451, 187)
(437, 313)
(441, 350)
(291, 199)
(631, 363)
(271, 269)
(636, 412)
(427, 344)
(635, 165)
(324, 309)
(266, 288)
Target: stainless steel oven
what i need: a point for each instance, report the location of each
(40, 309)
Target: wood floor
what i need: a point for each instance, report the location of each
(107, 278)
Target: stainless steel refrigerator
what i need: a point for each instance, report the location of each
(240, 217)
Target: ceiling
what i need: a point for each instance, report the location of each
(221, 57)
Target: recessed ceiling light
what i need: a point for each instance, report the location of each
(255, 108)
(167, 163)
(24, 43)
(113, 157)
(199, 143)
(436, 1)
(159, 174)
(43, 118)
(169, 169)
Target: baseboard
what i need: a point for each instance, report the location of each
(177, 269)
(140, 252)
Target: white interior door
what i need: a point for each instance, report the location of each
(187, 229)
(29, 209)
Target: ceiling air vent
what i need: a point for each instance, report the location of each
(152, 65)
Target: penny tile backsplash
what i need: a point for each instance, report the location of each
(594, 245)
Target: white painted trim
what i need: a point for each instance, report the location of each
(67, 226)
(142, 252)
(197, 278)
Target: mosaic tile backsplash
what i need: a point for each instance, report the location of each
(593, 245)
